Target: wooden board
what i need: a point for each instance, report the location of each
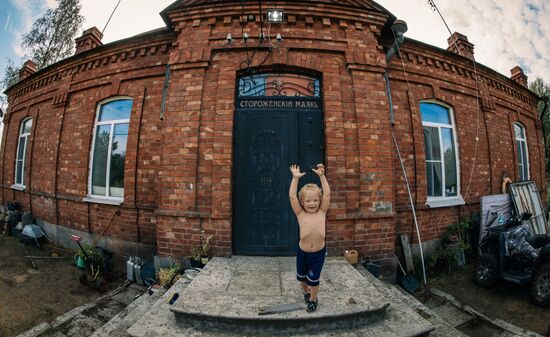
(409, 264)
(280, 308)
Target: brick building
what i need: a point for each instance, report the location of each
(192, 127)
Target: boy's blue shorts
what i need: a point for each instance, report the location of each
(309, 265)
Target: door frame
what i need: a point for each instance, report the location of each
(316, 105)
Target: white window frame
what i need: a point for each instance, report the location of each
(22, 185)
(95, 197)
(520, 162)
(444, 201)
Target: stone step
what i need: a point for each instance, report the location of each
(86, 319)
(118, 325)
(224, 300)
(351, 309)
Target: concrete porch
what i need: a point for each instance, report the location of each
(224, 299)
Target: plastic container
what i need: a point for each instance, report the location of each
(351, 256)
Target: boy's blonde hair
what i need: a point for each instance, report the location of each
(309, 187)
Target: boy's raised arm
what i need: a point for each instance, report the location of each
(293, 191)
(325, 203)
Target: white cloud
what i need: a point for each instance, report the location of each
(505, 33)
(131, 17)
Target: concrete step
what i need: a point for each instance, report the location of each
(398, 295)
(86, 319)
(224, 300)
(118, 325)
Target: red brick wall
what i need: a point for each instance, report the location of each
(178, 173)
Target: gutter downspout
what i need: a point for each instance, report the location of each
(165, 91)
(399, 28)
(545, 100)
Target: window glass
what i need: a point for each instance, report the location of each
(116, 110)
(23, 140)
(109, 151)
(27, 126)
(522, 152)
(440, 150)
(118, 156)
(431, 143)
(449, 156)
(434, 113)
(101, 150)
(272, 84)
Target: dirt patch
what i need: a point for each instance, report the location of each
(30, 296)
(506, 301)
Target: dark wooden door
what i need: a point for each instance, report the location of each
(272, 131)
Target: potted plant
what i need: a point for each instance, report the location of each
(200, 255)
(90, 256)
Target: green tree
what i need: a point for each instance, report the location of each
(541, 88)
(52, 36)
(50, 39)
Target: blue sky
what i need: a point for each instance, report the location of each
(506, 33)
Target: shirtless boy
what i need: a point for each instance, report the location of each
(310, 206)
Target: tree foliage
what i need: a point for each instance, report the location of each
(52, 36)
(50, 39)
(541, 88)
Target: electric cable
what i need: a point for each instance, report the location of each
(476, 79)
(114, 10)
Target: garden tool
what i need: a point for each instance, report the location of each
(408, 281)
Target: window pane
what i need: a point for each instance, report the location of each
(21, 148)
(449, 158)
(431, 143)
(434, 113)
(524, 161)
(116, 110)
(118, 155)
(433, 174)
(519, 132)
(99, 164)
(27, 126)
(19, 173)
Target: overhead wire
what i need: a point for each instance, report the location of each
(112, 13)
(476, 81)
(434, 6)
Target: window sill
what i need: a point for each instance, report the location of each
(102, 201)
(448, 202)
(19, 187)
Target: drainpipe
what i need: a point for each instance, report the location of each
(545, 100)
(399, 28)
(165, 91)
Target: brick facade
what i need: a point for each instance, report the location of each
(178, 168)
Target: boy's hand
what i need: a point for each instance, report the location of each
(320, 171)
(295, 169)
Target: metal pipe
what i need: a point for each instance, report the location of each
(165, 91)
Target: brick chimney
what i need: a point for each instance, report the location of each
(518, 76)
(459, 44)
(28, 69)
(90, 39)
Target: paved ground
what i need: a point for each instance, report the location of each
(30, 296)
(507, 301)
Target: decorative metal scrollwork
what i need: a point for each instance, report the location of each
(277, 85)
